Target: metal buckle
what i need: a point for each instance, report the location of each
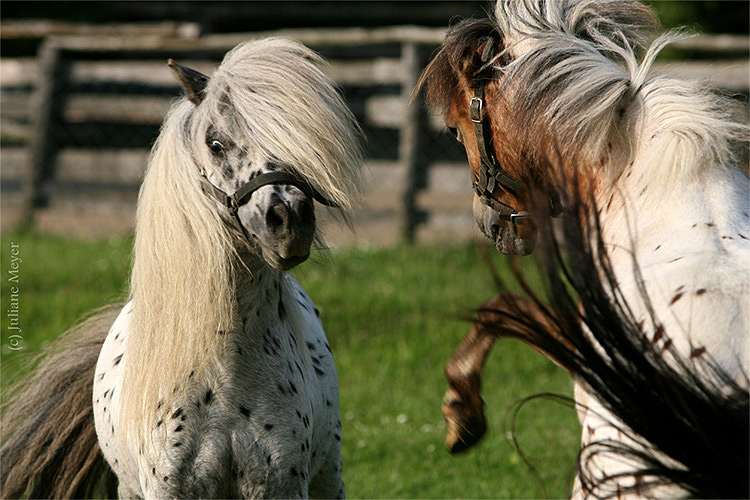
(481, 184)
(232, 204)
(475, 109)
(518, 215)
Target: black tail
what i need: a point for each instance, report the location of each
(691, 417)
(49, 443)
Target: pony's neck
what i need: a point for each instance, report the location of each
(686, 218)
(257, 285)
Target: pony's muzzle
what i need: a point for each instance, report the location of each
(515, 237)
(291, 228)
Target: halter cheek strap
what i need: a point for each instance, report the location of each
(491, 175)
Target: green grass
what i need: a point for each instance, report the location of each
(393, 317)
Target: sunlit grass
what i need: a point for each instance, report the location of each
(393, 317)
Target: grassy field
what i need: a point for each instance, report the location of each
(393, 317)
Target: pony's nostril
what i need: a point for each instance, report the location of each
(307, 212)
(276, 217)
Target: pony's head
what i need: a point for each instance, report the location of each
(268, 134)
(532, 92)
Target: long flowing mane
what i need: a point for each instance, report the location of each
(574, 77)
(687, 416)
(186, 256)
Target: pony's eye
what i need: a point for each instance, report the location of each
(215, 146)
(455, 133)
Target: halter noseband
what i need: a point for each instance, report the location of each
(234, 201)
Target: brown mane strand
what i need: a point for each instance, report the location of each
(459, 54)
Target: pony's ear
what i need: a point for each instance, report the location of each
(486, 49)
(193, 82)
(474, 60)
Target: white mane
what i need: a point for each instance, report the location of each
(673, 211)
(186, 259)
(281, 98)
(578, 74)
(613, 20)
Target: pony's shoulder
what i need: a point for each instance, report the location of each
(107, 402)
(704, 307)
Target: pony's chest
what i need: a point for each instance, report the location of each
(232, 447)
(260, 424)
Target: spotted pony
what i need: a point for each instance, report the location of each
(216, 379)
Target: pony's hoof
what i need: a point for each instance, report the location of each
(465, 425)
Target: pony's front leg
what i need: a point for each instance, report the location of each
(463, 407)
(504, 315)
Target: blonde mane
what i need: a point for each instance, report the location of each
(292, 111)
(187, 255)
(581, 77)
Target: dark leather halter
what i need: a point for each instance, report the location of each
(491, 175)
(234, 201)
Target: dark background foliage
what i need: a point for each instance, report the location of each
(235, 16)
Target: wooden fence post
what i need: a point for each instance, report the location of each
(42, 145)
(411, 138)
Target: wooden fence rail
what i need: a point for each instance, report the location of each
(55, 182)
(78, 119)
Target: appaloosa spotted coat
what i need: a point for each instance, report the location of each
(266, 425)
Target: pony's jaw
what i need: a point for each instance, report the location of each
(274, 260)
(508, 238)
(276, 257)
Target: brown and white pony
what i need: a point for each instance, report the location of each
(558, 113)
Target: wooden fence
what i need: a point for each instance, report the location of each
(78, 120)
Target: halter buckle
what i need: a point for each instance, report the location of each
(518, 215)
(231, 204)
(475, 109)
